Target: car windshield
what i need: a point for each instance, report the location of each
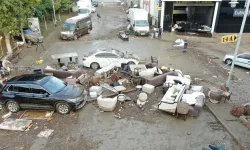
(54, 85)
(68, 26)
(118, 53)
(141, 23)
(83, 11)
(27, 31)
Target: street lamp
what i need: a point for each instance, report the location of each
(233, 4)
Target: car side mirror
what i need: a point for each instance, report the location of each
(46, 95)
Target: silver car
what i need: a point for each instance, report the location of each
(242, 59)
(32, 37)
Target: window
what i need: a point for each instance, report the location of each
(19, 88)
(106, 55)
(244, 56)
(68, 26)
(54, 85)
(37, 90)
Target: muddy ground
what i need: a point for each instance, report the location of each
(90, 128)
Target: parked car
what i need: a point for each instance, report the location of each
(104, 57)
(95, 3)
(93, 9)
(39, 91)
(242, 60)
(75, 27)
(30, 36)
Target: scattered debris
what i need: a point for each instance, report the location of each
(117, 116)
(46, 133)
(15, 124)
(7, 115)
(49, 114)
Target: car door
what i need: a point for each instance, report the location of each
(242, 60)
(41, 97)
(22, 94)
(102, 59)
(114, 59)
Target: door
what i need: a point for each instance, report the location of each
(82, 27)
(243, 60)
(102, 59)
(22, 95)
(167, 24)
(41, 98)
(114, 59)
(78, 30)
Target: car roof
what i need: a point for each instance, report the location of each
(27, 79)
(76, 18)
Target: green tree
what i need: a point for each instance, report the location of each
(14, 15)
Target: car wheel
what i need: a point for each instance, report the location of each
(88, 31)
(94, 65)
(75, 37)
(63, 108)
(131, 63)
(12, 106)
(29, 42)
(229, 61)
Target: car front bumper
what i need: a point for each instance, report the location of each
(67, 37)
(78, 105)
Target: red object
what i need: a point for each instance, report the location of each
(84, 58)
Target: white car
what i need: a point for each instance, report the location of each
(93, 9)
(104, 57)
(242, 60)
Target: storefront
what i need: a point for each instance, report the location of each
(229, 19)
(194, 12)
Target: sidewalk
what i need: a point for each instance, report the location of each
(232, 124)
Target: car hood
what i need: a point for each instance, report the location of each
(71, 91)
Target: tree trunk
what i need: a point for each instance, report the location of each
(23, 36)
(45, 22)
(59, 16)
(7, 42)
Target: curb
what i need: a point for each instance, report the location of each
(228, 130)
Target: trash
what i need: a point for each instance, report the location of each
(39, 62)
(7, 115)
(117, 116)
(50, 118)
(106, 104)
(247, 72)
(121, 97)
(36, 128)
(93, 95)
(49, 114)
(1, 107)
(97, 89)
(46, 133)
(119, 88)
(214, 76)
(148, 88)
(123, 36)
(142, 99)
(179, 43)
(138, 88)
(107, 86)
(15, 125)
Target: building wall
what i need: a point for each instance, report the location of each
(227, 22)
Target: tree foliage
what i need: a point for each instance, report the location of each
(45, 8)
(14, 14)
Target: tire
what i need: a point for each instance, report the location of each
(29, 42)
(131, 63)
(13, 106)
(94, 65)
(88, 31)
(228, 61)
(63, 108)
(75, 37)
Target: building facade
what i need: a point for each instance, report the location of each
(198, 11)
(229, 19)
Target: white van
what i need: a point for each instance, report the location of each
(139, 21)
(84, 7)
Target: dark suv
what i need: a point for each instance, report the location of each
(39, 91)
